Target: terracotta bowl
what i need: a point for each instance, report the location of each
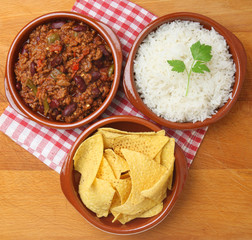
(12, 94)
(236, 49)
(69, 179)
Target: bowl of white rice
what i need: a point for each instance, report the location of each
(185, 71)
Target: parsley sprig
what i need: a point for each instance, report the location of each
(201, 54)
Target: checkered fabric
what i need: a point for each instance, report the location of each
(52, 145)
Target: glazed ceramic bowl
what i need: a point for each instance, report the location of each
(236, 49)
(69, 179)
(12, 94)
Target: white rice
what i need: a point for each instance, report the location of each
(163, 90)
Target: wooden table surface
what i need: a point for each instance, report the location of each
(216, 202)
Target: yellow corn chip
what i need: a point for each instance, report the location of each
(123, 187)
(144, 174)
(120, 132)
(115, 202)
(158, 156)
(108, 137)
(123, 218)
(97, 197)
(158, 191)
(168, 158)
(117, 163)
(87, 158)
(148, 145)
(105, 172)
(109, 134)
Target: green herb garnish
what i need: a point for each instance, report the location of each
(201, 54)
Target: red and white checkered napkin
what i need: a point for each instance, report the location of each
(51, 145)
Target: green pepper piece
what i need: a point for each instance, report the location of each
(53, 37)
(54, 73)
(111, 70)
(32, 86)
(46, 106)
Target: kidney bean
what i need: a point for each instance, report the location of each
(80, 28)
(54, 103)
(58, 24)
(95, 76)
(68, 110)
(98, 63)
(32, 68)
(56, 61)
(79, 81)
(95, 92)
(104, 50)
(18, 86)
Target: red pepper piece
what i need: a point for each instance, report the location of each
(75, 66)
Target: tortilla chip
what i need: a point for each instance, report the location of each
(123, 218)
(158, 157)
(109, 134)
(97, 197)
(88, 157)
(105, 172)
(144, 172)
(120, 132)
(117, 163)
(158, 191)
(168, 158)
(153, 211)
(148, 145)
(150, 172)
(108, 137)
(116, 201)
(123, 187)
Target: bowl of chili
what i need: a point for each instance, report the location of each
(63, 70)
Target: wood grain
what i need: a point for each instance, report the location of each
(216, 200)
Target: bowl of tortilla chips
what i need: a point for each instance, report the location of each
(123, 174)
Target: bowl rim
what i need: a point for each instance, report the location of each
(239, 56)
(15, 99)
(66, 178)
